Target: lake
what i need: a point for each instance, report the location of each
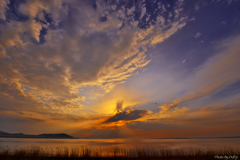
(123, 143)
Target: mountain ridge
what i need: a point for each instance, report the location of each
(44, 135)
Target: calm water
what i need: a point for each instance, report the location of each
(126, 143)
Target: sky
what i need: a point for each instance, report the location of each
(120, 68)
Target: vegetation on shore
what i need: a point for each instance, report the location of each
(76, 152)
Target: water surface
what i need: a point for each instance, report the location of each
(126, 143)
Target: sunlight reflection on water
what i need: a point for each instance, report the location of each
(126, 143)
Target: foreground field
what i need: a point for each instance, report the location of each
(37, 153)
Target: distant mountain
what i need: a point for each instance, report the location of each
(21, 135)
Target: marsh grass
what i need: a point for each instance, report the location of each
(83, 152)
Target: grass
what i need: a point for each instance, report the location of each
(76, 152)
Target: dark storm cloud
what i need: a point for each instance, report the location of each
(127, 115)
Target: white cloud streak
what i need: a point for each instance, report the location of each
(216, 73)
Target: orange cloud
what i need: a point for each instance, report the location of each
(46, 78)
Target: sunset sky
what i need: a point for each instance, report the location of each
(120, 68)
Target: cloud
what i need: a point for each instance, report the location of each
(79, 50)
(192, 19)
(3, 6)
(143, 12)
(198, 34)
(210, 120)
(119, 106)
(35, 119)
(196, 7)
(216, 73)
(211, 115)
(105, 133)
(223, 22)
(223, 1)
(166, 108)
(128, 115)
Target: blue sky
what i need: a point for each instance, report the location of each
(65, 65)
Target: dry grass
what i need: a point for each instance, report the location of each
(35, 152)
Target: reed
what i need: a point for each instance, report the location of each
(75, 152)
